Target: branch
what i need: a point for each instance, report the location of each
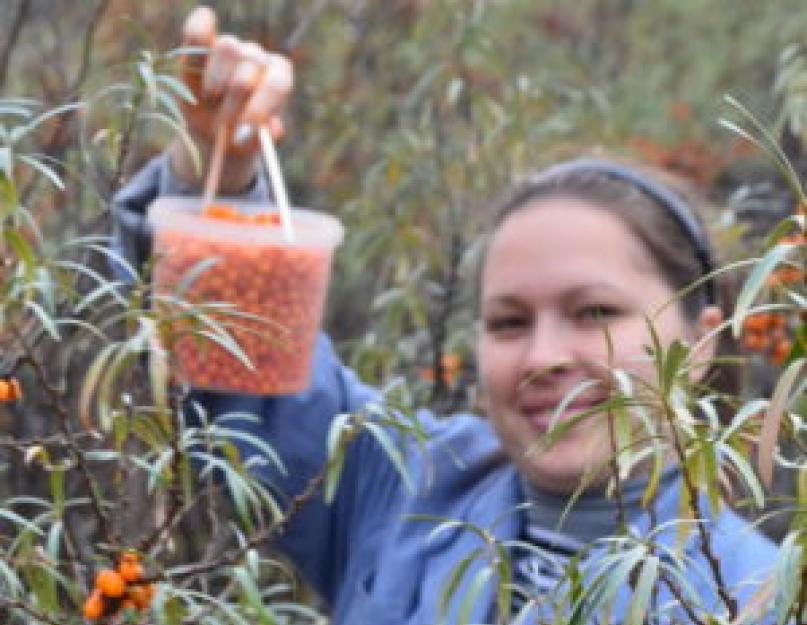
(36, 615)
(297, 34)
(54, 399)
(676, 592)
(234, 555)
(694, 502)
(86, 52)
(23, 9)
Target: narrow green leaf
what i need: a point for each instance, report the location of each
(57, 479)
(453, 582)
(17, 519)
(746, 472)
(334, 472)
(253, 596)
(23, 250)
(471, 597)
(770, 426)
(10, 584)
(43, 169)
(676, 355)
(393, 453)
(55, 540)
(48, 322)
(642, 593)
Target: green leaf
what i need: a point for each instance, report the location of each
(55, 540)
(57, 477)
(676, 356)
(334, 472)
(642, 593)
(253, 596)
(17, 519)
(471, 597)
(770, 426)
(747, 474)
(769, 145)
(10, 584)
(393, 453)
(788, 576)
(48, 322)
(42, 582)
(453, 582)
(255, 441)
(177, 86)
(8, 197)
(23, 250)
(43, 169)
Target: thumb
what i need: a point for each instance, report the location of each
(199, 31)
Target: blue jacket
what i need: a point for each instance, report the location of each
(364, 553)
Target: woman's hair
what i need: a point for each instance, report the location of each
(662, 213)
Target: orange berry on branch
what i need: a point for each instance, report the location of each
(110, 583)
(130, 568)
(94, 606)
(781, 350)
(141, 595)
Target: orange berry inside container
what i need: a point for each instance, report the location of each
(235, 253)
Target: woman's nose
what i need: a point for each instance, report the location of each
(548, 353)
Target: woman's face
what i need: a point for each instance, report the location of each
(558, 274)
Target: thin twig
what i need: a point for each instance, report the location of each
(86, 52)
(679, 595)
(234, 555)
(297, 34)
(694, 502)
(23, 9)
(55, 400)
(36, 615)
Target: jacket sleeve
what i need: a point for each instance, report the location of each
(296, 426)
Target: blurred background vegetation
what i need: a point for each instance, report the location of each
(411, 116)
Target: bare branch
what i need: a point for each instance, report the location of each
(23, 9)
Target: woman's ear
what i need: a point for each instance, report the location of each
(709, 319)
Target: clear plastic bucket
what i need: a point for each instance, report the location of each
(267, 294)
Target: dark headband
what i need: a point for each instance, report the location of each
(675, 205)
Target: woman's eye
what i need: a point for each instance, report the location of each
(504, 323)
(597, 313)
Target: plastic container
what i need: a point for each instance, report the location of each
(247, 264)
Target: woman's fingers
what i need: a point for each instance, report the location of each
(222, 62)
(239, 88)
(270, 93)
(236, 83)
(199, 31)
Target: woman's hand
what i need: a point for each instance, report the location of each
(237, 85)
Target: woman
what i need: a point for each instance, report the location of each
(584, 251)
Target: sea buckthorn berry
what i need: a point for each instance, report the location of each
(130, 570)
(758, 321)
(5, 391)
(16, 389)
(267, 219)
(780, 352)
(110, 583)
(141, 595)
(94, 606)
(220, 211)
